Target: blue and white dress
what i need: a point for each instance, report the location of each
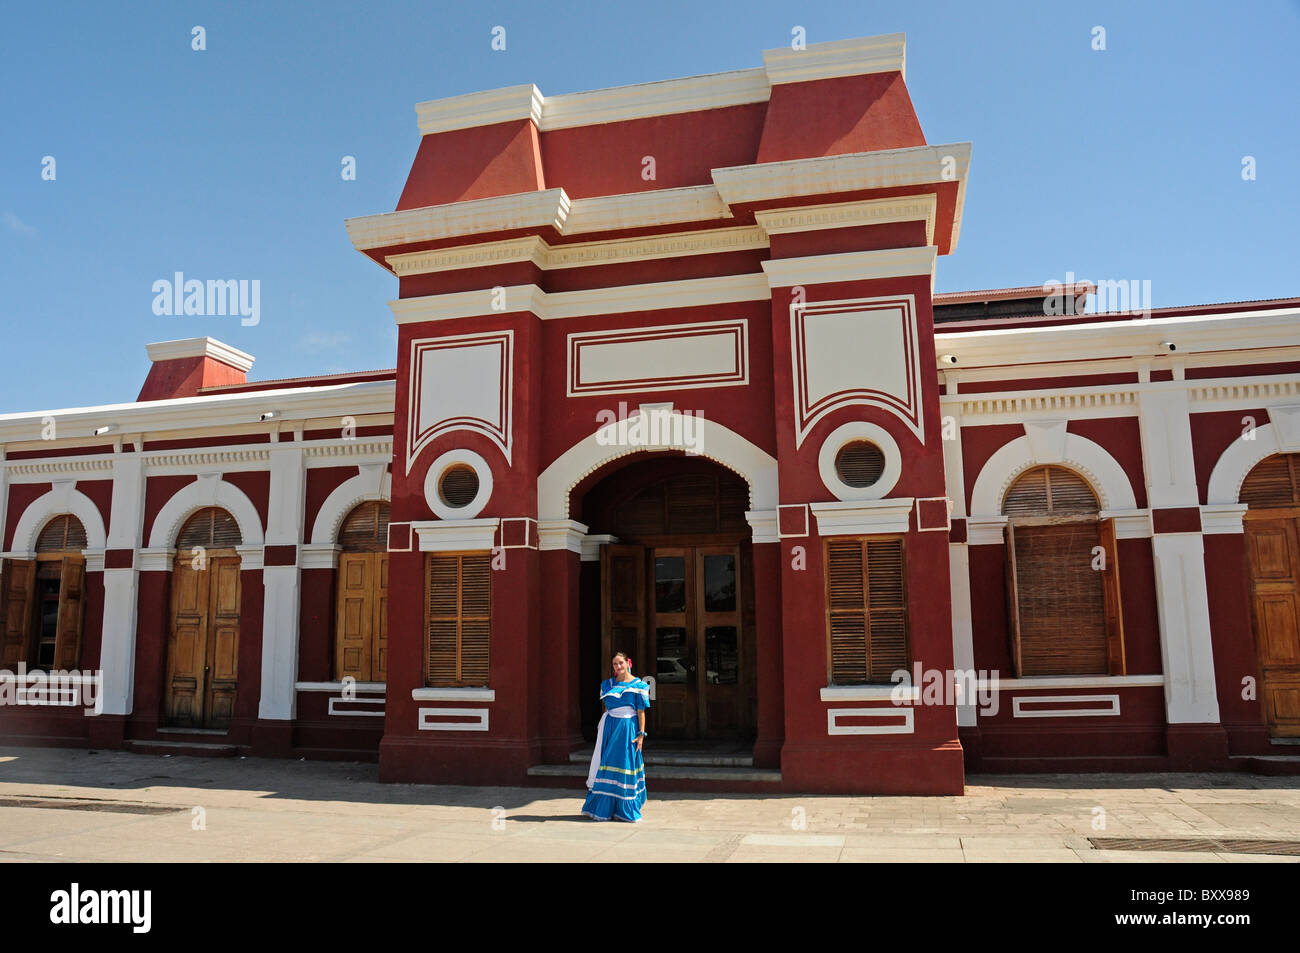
(617, 776)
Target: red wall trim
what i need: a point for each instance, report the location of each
(1178, 519)
(282, 555)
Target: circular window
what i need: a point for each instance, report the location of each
(860, 463)
(458, 486)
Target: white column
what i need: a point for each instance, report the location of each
(281, 586)
(121, 586)
(1182, 598)
(963, 636)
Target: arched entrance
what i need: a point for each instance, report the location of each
(675, 591)
(361, 611)
(1272, 524)
(203, 638)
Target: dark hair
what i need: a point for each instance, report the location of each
(626, 658)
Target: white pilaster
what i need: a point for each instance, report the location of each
(281, 586)
(121, 586)
(1182, 599)
(963, 632)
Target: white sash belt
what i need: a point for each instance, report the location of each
(624, 712)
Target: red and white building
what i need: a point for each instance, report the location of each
(671, 378)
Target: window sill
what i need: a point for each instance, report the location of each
(367, 687)
(863, 693)
(1072, 681)
(453, 694)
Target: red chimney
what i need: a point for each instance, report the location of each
(180, 368)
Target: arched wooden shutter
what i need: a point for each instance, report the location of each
(1063, 597)
(211, 528)
(458, 618)
(866, 610)
(63, 534)
(365, 530)
(1273, 482)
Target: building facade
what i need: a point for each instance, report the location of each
(671, 378)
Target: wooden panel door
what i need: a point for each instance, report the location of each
(354, 616)
(1273, 554)
(203, 643)
(674, 643)
(379, 620)
(17, 589)
(719, 640)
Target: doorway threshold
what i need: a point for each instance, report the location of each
(694, 753)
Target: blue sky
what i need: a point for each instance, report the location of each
(1117, 164)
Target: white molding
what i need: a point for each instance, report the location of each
(425, 714)
(1015, 407)
(1186, 645)
(849, 172)
(834, 714)
(591, 546)
(449, 536)
(1237, 460)
(985, 530)
(360, 687)
(444, 462)
(663, 357)
(691, 203)
(253, 558)
(535, 250)
(372, 482)
(716, 442)
(318, 556)
(853, 57)
(850, 432)
(870, 693)
(863, 517)
(155, 559)
(453, 694)
(63, 497)
(1223, 518)
(473, 377)
(547, 208)
(1046, 440)
(561, 534)
(963, 625)
(510, 103)
(200, 347)
(1130, 339)
(207, 490)
(807, 218)
(550, 306)
(182, 417)
(764, 527)
(1102, 471)
(1070, 681)
(1129, 524)
(380, 704)
(1018, 702)
(852, 266)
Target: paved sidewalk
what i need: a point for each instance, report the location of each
(72, 805)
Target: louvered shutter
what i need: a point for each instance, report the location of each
(61, 535)
(1115, 661)
(365, 530)
(18, 588)
(1272, 482)
(459, 619)
(210, 528)
(67, 641)
(866, 610)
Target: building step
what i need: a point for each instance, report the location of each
(687, 757)
(198, 749)
(1274, 765)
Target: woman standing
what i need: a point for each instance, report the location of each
(617, 776)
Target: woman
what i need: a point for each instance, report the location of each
(617, 776)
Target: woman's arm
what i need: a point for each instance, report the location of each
(640, 727)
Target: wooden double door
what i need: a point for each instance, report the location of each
(1273, 558)
(203, 642)
(680, 611)
(361, 640)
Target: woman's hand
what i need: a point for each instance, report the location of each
(637, 742)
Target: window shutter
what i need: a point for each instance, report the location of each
(866, 610)
(62, 534)
(1049, 491)
(1272, 482)
(67, 642)
(459, 619)
(211, 528)
(366, 528)
(18, 587)
(1115, 661)
(1060, 602)
(1013, 601)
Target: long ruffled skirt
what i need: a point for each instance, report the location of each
(619, 789)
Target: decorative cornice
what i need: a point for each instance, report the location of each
(863, 517)
(851, 172)
(545, 209)
(561, 534)
(852, 266)
(692, 203)
(511, 103)
(808, 218)
(591, 546)
(318, 555)
(1013, 406)
(764, 526)
(1223, 518)
(58, 466)
(656, 296)
(854, 57)
(444, 536)
(535, 250)
(200, 347)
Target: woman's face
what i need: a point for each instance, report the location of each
(620, 667)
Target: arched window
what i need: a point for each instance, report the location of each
(1272, 536)
(1062, 569)
(44, 599)
(211, 528)
(361, 612)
